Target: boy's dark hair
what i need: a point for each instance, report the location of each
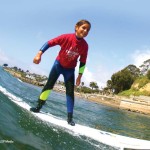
(81, 22)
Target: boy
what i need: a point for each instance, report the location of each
(72, 46)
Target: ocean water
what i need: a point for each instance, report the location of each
(20, 130)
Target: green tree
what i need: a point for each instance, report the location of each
(148, 74)
(145, 67)
(15, 68)
(82, 84)
(93, 85)
(122, 80)
(5, 65)
(86, 89)
(133, 70)
(109, 84)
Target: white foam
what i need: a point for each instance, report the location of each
(107, 138)
(19, 80)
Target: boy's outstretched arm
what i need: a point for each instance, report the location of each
(37, 58)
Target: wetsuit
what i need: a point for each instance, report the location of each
(66, 61)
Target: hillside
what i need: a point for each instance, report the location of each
(141, 86)
(131, 80)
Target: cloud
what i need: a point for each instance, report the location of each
(100, 75)
(139, 56)
(88, 76)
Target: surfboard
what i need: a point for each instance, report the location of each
(107, 138)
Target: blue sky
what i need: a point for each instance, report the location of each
(120, 33)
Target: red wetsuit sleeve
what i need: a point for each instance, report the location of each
(56, 41)
(52, 42)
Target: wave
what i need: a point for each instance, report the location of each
(107, 138)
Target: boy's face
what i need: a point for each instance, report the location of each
(82, 31)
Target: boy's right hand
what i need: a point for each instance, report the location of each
(37, 58)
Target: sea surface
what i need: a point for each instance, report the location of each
(20, 130)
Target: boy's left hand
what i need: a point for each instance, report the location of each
(78, 80)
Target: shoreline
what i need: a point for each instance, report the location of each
(100, 99)
(140, 104)
(134, 104)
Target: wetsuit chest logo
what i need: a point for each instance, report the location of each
(72, 53)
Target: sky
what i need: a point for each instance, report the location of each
(119, 36)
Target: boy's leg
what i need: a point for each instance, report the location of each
(69, 83)
(53, 76)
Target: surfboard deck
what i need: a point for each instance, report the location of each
(113, 140)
